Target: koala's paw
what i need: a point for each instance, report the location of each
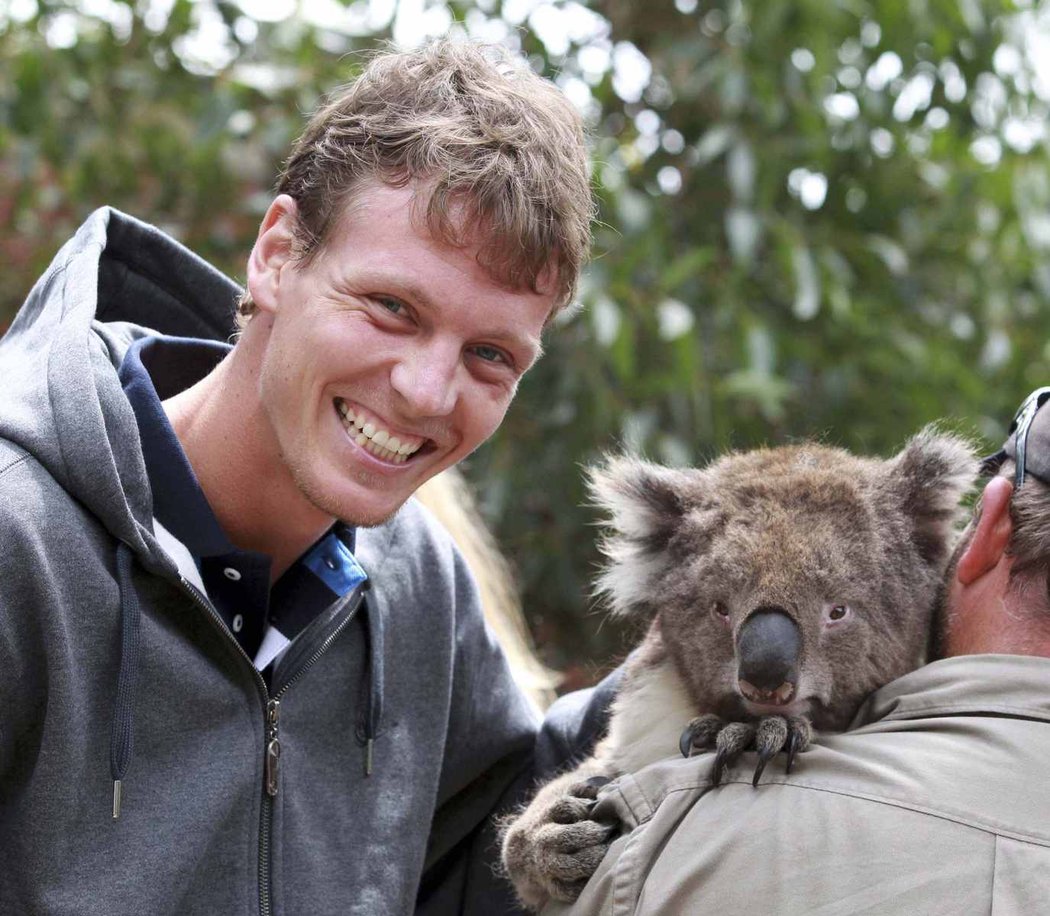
(551, 850)
(700, 735)
(768, 737)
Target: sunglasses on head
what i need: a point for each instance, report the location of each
(1019, 430)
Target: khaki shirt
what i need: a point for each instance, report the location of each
(937, 802)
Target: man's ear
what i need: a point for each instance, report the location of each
(274, 248)
(987, 544)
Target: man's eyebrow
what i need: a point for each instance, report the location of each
(412, 290)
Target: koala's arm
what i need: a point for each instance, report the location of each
(552, 847)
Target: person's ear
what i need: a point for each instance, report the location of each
(274, 248)
(990, 538)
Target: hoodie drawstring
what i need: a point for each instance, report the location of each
(121, 739)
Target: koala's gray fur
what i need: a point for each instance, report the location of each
(798, 531)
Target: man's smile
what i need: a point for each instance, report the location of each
(369, 432)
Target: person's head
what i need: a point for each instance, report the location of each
(997, 588)
(431, 220)
(495, 153)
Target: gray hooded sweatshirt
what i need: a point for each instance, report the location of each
(364, 788)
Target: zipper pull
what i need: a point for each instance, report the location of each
(273, 746)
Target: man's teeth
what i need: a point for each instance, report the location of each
(377, 441)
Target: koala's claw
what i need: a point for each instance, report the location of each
(554, 846)
(700, 734)
(765, 754)
(718, 771)
(763, 759)
(791, 735)
(732, 741)
(770, 735)
(798, 740)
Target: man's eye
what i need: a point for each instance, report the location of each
(491, 354)
(395, 306)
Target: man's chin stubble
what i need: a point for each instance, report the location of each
(322, 500)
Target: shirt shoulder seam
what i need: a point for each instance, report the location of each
(14, 462)
(963, 709)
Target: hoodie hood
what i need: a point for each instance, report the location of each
(113, 269)
(64, 404)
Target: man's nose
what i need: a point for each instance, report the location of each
(427, 379)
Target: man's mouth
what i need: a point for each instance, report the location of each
(372, 437)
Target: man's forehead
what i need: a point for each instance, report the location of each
(455, 227)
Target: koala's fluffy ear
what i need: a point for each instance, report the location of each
(930, 475)
(645, 505)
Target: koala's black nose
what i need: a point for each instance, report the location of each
(768, 647)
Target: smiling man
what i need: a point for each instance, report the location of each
(242, 671)
(387, 358)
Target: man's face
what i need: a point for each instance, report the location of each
(389, 358)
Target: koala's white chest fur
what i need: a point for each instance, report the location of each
(647, 719)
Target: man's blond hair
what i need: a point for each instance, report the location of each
(496, 151)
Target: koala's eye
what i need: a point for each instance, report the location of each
(720, 611)
(838, 612)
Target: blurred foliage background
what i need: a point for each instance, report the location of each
(820, 218)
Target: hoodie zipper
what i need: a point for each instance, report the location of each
(272, 705)
(273, 753)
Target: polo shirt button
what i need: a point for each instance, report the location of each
(238, 623)
(330, 563)
(230, 573)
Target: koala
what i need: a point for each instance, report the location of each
(780, 587)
